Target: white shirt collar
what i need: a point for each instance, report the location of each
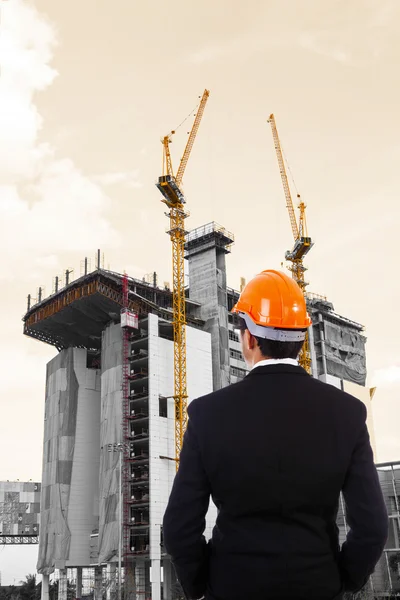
(276, 361)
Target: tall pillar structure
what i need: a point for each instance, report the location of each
(167, 579)
(78, 583)
(206, 249)
(45, 587)
(63, 585)
(140, 579)
(98, 583)
(111, 592)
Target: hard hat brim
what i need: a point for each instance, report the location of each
(271, 333)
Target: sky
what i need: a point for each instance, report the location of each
(87, 89)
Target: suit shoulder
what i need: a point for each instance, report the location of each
(343, 398)
(214, 399)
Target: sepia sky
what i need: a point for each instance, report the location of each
(87, 88)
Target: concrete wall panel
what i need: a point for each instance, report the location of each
(110, 433)
(69, 499)
(162, 430)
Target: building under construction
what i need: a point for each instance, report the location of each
(108, 453)
(385, 581)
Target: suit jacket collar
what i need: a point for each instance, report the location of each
(277, 370)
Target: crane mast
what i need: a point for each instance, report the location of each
(302, 241)
(170, 187)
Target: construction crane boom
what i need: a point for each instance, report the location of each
(284, 177)
(192, 137)
(302, 242)
(170, 187)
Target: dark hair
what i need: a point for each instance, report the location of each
(272, 349)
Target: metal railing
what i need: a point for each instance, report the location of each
(207, 229)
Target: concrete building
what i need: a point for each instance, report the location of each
(151, 431)
(338, 355)
(108, 392)
(85, 420)
(19, 512)
(385, 582)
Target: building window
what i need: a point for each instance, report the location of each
(236, 354)
(162, 404)
(93, 360)
(233, 336)
(238, 372)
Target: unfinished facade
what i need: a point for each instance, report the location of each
(87, 420)
(19, 512)
(385, 581)
(338, 354)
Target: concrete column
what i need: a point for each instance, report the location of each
(78, 583)
(130, 581)
(167, 579)
(155, 579)
(140, 576)
(112, 581)
(45, 587)
(62, 585)
(205, 250)
(98, 583)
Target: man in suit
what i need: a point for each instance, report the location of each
(273, 452)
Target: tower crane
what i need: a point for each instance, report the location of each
(170, 187)
(302, 241)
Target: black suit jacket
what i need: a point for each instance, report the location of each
(274, 451)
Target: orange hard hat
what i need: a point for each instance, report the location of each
(271, 303)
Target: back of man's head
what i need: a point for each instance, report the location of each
(272, 348)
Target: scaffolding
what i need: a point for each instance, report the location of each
(78, 313)
(211, 233)
(135, 471)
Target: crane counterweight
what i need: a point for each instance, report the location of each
(170, 190)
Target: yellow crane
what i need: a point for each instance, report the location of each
(170, 187)
(302, 241)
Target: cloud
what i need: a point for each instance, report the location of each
(47, 261)
(26, 45)
(245, 45)
(387, 376)
(320, 43)
(33, 368)
(67, 217)
(209, 53)
(47, 205)
(355, 33)
(130, 178)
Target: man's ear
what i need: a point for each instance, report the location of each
(252, 342)
(249, 340)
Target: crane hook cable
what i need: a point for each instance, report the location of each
(188, 117)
